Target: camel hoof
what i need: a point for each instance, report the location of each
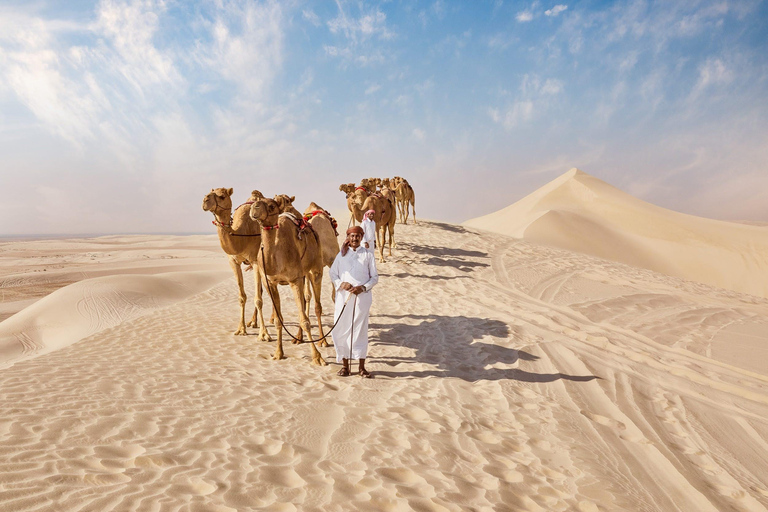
(241, 332)
(264, 337)
(278, 357)
(319, 362)
(252, 324)
(324, 343)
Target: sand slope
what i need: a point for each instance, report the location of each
(581, 213)
(509, 376)
(92, 305)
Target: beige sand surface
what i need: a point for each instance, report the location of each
(581, 213)
(509, 376)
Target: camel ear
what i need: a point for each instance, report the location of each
(293, 198)
(230, 191)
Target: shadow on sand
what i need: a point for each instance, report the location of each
(443, 251)
(404, 275)
(448, 227)
(449, 344)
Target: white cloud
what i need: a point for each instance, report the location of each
(310, 16)
(524, 16)
(712, 72)
(364, 27)
(130, 28)
(418, 134)
(521, 111)
(372, 89)
(535, 95)
(551, 87)
(555, 10)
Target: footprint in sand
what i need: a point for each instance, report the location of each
(602, 420)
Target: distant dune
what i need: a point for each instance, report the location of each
(581, 213)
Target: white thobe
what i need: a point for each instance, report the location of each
(350, 336)
(369, 233)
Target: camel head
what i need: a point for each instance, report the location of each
(218, 199)
(376, 182)
(265, 211)
(286, 204)
(347, 188)
(386, 183)
(255, 195)
(360, 196)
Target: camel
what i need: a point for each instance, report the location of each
(325, 227)
(348, 189)
(289, 256)
(240, 238)
(404, 196)
(285, 202)
(384, 216)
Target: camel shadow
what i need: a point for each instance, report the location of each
(444, 251)
(463, 265)
(448, 227)
(405, 275)
(452, 346)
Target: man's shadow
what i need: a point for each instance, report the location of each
(449, 344)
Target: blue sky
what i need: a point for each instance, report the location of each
(118, 116)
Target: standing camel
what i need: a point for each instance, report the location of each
(405, 196)
(240, 238)
(289, 256)
(384, 217)
(325, 227)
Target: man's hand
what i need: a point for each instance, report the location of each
(366, 245)
(346, 286)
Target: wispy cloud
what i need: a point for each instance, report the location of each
(556, 10)
(534, 94)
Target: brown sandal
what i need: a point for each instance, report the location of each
(344, 372)
(365, 374)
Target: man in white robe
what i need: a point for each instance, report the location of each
(369, 230)
(353, 274)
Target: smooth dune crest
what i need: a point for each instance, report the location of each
(87, 307)
(581, 213)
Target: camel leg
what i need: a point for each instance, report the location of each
(239, 275)
(413, 205)
(392, 238)
(263, 333)
(381, 247)
(317, 286)
(306, 293)
(304, 321)
(276, 303)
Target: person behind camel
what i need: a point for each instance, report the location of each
(369, 231)
(353, 273)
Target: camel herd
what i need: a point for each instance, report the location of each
(387, 197)
(289, 248)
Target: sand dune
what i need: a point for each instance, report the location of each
(92, 305)
(509, 376)
(581, 213)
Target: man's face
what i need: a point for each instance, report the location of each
(370, 216)
(354, 240)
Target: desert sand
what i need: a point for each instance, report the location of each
(509, 375)
(581, 213)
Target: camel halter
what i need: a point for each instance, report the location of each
(217, 223)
